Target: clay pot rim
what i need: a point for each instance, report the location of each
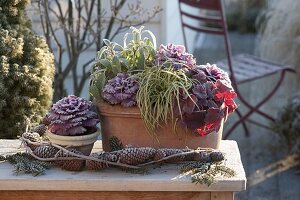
(107, 109)
(73, 140)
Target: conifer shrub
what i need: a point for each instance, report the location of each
(26, 71)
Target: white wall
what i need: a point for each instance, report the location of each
(171, 25)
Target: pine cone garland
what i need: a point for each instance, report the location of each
(96, 165)
(40, 129)
(70, 165)
(45, 151)
(134, 155)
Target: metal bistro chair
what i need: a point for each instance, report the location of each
(242, 68)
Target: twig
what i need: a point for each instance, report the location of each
(176, 155)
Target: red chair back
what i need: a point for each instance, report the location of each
(217, 22)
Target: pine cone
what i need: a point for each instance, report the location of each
(160, 154)
(33, 137)
(189, 157)
(216, 156)
(202, 156)
(70, 165)
(96, 165)
(134, 155)
(165, 152)
(40, 129)
(45, 151)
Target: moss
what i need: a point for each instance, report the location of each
(26, 71)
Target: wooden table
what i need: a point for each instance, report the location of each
(161, 183)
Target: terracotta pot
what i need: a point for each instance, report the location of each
(128, 126)
(83, 143)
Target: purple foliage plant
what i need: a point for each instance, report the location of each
(209, 101)
(72, 116)
(121, 89)
(174, 55)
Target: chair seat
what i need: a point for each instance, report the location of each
(248, 67)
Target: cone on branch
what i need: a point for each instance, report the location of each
(40, 129)
(135, 155)
(217, 156)
(33, 137)
(45, 151)
(98, 165)
(203, 156)
(165, 152)
(70, 165)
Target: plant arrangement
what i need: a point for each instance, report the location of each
(165, 83)
(26, 71)
(72, 116)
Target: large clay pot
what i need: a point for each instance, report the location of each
(128, 126)
(83, 143)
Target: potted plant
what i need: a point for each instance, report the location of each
(72, 123)
(159, 97)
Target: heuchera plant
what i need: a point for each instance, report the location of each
(210, 98)
(72, 116)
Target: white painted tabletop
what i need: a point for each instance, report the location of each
(166, 178)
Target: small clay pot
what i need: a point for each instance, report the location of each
(82, 143)
(129, 127)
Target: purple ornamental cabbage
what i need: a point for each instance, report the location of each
(175, 54)
(214, 73)
(72, 116)
(121, 89)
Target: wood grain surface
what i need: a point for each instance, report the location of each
(71, 195)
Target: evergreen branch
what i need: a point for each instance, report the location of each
(115, 144)
(25, 163)
(205, 173)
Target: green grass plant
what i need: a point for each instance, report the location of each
(160, 90)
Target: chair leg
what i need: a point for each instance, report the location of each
(244, 126)
(254, 109)
(264, 100)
